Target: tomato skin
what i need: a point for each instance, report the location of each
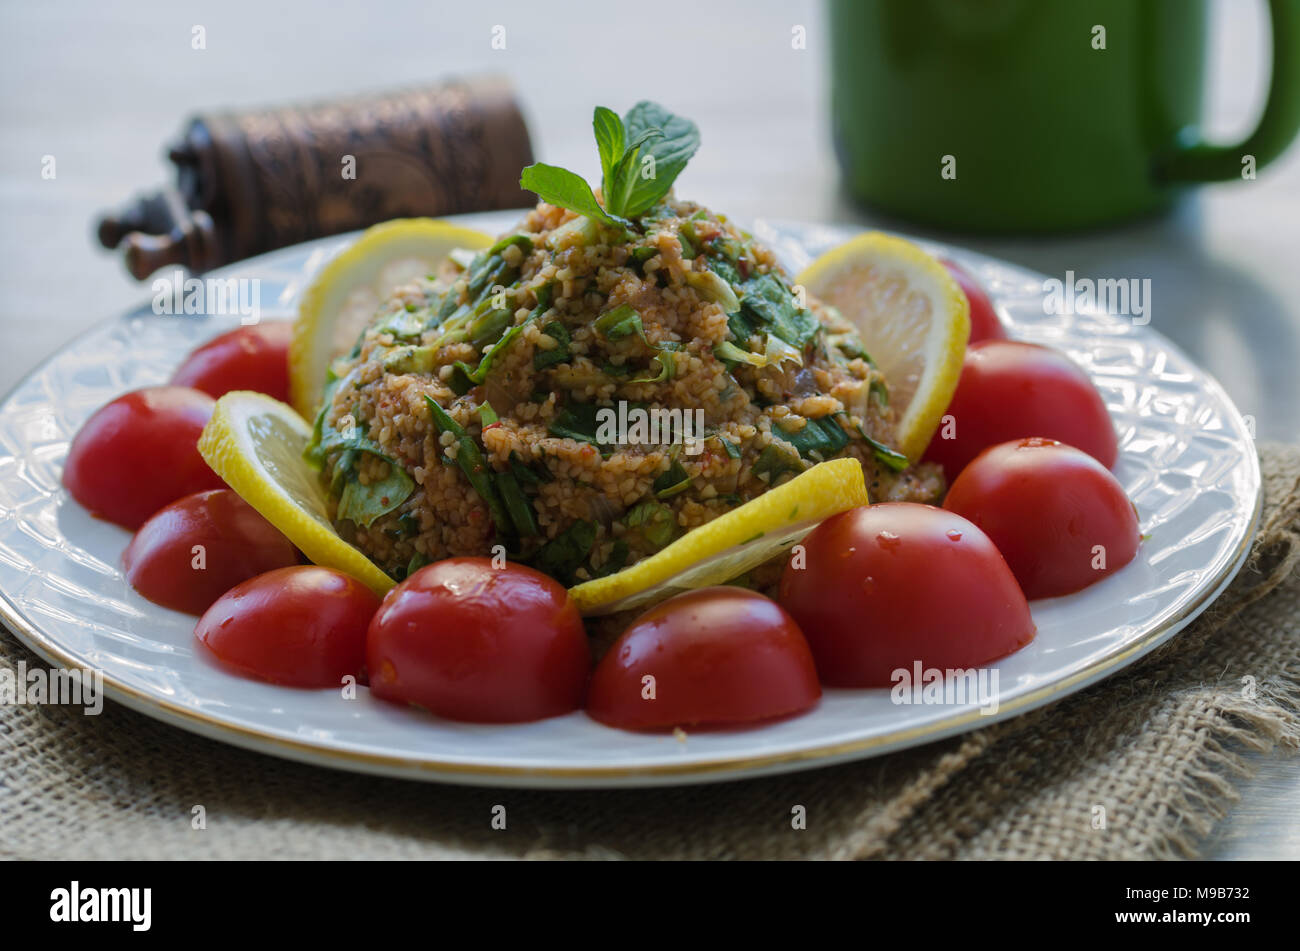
(1012, 390)
(719, 656)
(303, 626)
(237, 542)
(884, 586)
(984, 321)
(467, 641)
(140, 452)
(246, 358)
(1046, 505)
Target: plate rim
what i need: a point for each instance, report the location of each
(719, 768)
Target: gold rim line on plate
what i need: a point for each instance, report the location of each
(31, 635)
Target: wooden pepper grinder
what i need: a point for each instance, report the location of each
(252, 181)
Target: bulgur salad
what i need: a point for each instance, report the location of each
(471, 405)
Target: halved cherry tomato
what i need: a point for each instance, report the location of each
(194, 550)
(469, 641)
(303, 626)
(709, 657)
(247, 358)
(140, 452)
(1012, 390)
(1058, 516)
(878, 588)
(984, 321)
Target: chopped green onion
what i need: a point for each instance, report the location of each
(470, 459)
(622, 321)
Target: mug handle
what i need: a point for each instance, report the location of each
(1202, 162)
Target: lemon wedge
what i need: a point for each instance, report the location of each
(255, 443)
(344, 297)
(912, 317)
(733, 543)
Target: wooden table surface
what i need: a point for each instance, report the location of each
(101, 86)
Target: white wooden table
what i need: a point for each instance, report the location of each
(100, 86)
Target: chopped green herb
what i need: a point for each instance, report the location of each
(641, 255)
(521, 241)
(558, 354)
(470, 459)
(617, 560)
(819, 439)
(667, 369)
(654, 522)
(849, 345)
(488, 327)
(525, 474)
(891, 458)
(714, 288)
(622, 321)
(673, 482)
(726, 270)
(689, 242)
(775, 460)
(517, 505)
(408, 525)
(543, 295)
(410, 359)
(564, 554)
(363, 504)
(770, 305)
(729, 447)
(577, 421)
(732, 355)
(405, 325)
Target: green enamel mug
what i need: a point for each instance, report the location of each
(1039, 115)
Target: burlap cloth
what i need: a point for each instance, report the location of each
(1157, 747)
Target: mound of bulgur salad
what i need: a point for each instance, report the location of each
(604, 378)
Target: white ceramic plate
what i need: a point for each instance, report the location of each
(1186, 460)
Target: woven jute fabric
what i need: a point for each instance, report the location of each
(1139, 766)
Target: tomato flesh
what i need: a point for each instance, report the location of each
(194, 550)
(469, 641)
(1059, 517)
(711, 657)
(879, 588)
(140, 452)
(303, 626)
(246, 358)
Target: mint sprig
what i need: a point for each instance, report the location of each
(641, 156)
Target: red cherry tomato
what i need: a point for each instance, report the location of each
(140, 452)
(194, 550)
(303, 626)
(468, 641)
(247, 358)
(882, 587)
(717, 656)
(1011, 390)
(1058, 516)
(984, 321)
